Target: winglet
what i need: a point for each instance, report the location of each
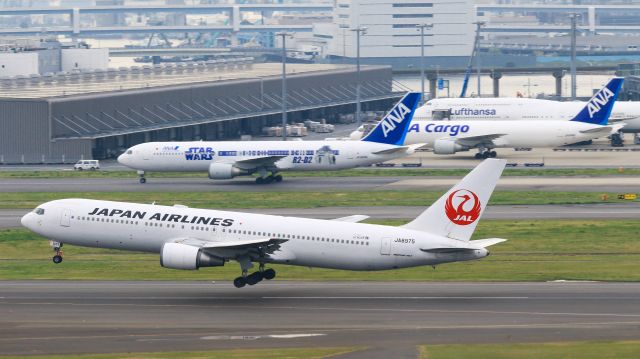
(598, 109)
(393, 127)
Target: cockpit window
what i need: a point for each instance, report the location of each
(39, 211)
(129, 152)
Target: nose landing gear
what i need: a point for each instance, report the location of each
(57, 248)
(141, 175)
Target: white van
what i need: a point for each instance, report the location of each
(91, 165)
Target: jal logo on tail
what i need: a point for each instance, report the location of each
(395, 117)
(599, 100)
(462, 207)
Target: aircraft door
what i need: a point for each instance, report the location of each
(385, 246)
(65, 218)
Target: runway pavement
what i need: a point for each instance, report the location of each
(99, 317)
(11, 217)
(315, 184)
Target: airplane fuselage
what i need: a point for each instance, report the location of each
(523, 109)
(197, 156)
(531, 134)
(305, 242)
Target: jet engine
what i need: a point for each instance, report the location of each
(183, 256)
(447, 147)
(220, 171)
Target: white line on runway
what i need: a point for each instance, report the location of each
(398, 297)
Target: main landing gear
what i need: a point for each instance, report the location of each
(485, 154)
(269, 179)
(141, 175)
(255, 277)
(56, 248)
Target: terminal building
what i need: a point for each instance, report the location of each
(64, 117)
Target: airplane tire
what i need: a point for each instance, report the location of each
(278, 178)
(478, 156)
(493, 154)
(269, 179)
(143, 180)
(253, 278)
(57, 259)
(239, 282)
(259, 180)
(269, 274)
(486, 154)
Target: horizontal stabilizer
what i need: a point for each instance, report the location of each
(351, 219)
(484, 243)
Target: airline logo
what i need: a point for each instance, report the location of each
(452, 130)
(600, 99)
(199, 154)
(160, 217)
(395, 117)
(462, 207)
(464, 111)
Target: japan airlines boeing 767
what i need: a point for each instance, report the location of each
(190, 238)
(228, 159)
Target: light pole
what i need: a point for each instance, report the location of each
(422, 27)
(574, 18)
(360, 30)
(479, 25)
(284, 82)
(528, 86)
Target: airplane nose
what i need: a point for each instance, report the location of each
(26, 220)
(122, 159)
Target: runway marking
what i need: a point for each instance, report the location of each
(337, 330)
(399, 297)
(625, 315)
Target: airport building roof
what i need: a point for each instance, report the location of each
(145, 77)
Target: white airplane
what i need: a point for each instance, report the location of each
(190, 238)
(515, 108)
(228, 159)
(447, 137)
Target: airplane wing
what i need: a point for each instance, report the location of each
(614, 118)
(352, 219)
(231, 249)
(473, 141)
(605, 130)
(408, 149)
(261, 161)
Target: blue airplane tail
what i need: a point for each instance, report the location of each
(598, 109)
(394, 125)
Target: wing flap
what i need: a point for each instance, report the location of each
(473, 141)
(258, 161)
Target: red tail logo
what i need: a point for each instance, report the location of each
(457, 212)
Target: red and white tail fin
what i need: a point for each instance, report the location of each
(456, 214)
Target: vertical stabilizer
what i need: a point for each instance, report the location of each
(393, 127)
(598, 109)
(456, 214)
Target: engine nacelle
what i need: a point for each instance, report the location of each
(447, 147)
(220, 171)
(183, 256)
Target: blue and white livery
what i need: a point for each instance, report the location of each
(451, 136)
(228, 159)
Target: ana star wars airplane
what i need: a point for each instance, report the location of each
(515, 108)
(190, 238)
(450, 136)
(225, 160)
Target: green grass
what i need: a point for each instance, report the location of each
(536, 251)
(287, 353)
(359, 172)
(218, 200)
(561, 350)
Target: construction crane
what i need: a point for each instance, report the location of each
(474, 53)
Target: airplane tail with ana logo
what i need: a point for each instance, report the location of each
(393, 127)
(598, 109)
(457, 213)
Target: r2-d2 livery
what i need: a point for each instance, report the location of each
(228, 159)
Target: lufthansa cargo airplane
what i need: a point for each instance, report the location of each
(190, 238)
(449, 137)
(228, 159)
(527, 109)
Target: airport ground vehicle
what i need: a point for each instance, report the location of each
(90, 165)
